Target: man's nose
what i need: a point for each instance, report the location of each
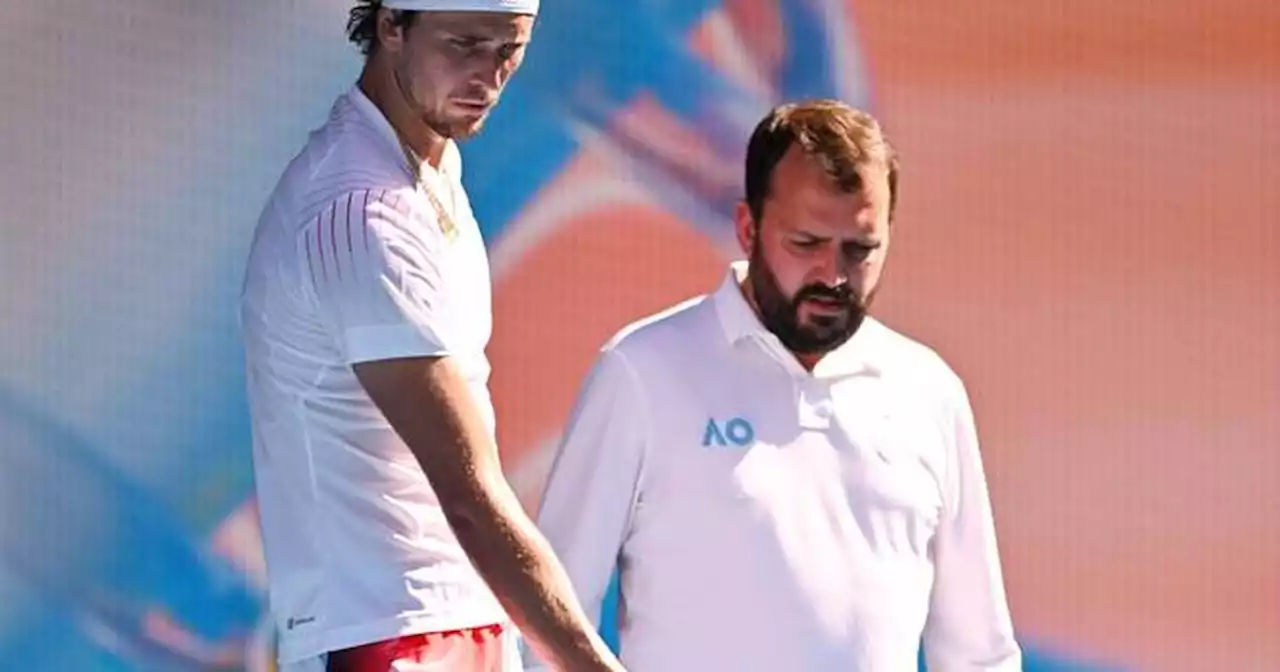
(834, 270)
(489, 77)
(489, 72)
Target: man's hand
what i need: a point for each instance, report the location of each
(428, 402)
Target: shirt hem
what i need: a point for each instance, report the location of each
(297, 648)
(367, 344)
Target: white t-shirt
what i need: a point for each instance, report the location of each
(765, 518)
(350, 264)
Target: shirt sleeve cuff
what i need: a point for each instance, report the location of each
(395, 341)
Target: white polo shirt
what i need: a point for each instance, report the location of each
(350, 264)
(768, 519)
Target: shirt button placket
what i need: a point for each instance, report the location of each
(816, 406)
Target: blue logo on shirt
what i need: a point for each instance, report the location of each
(737, 431)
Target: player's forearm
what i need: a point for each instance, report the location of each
(429, 404)
(519, 565)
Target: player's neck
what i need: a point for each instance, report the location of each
(379, 85)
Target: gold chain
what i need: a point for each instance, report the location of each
(415, 166)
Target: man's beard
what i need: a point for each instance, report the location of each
(822, 332)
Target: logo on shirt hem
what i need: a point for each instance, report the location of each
(295, 622)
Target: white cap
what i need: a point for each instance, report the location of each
(505, 6)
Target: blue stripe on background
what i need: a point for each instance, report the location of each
(585, 52)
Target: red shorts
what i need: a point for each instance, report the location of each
(471, 650)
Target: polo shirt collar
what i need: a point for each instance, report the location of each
(451, 161)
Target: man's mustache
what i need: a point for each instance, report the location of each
(842, 293)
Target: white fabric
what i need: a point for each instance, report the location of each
(506, 6)
(349, 264)
(765, 518)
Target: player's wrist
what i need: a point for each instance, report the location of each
(595, 658)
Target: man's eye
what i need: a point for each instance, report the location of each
(859, 250)
(806, 244)
(509, 51)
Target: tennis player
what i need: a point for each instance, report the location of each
(392, 540)
(785, 482)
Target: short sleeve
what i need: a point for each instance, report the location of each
(374, 263)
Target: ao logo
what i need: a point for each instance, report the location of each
(736, 431)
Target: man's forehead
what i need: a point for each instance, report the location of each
(828, 211)
(486, 24)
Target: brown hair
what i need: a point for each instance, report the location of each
(362, 24)
(841, 138)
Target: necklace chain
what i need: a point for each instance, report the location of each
(442, 214)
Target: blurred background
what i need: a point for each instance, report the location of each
(1087, 233)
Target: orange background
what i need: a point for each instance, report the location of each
(1088, 235)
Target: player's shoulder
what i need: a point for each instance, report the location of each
(348, 159)
(355, 158)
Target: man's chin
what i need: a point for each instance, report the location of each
(464, 126)
(827, 324)
(458, 129)
(466, 131)
(829, 335)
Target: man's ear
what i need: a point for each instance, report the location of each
(390, 34)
